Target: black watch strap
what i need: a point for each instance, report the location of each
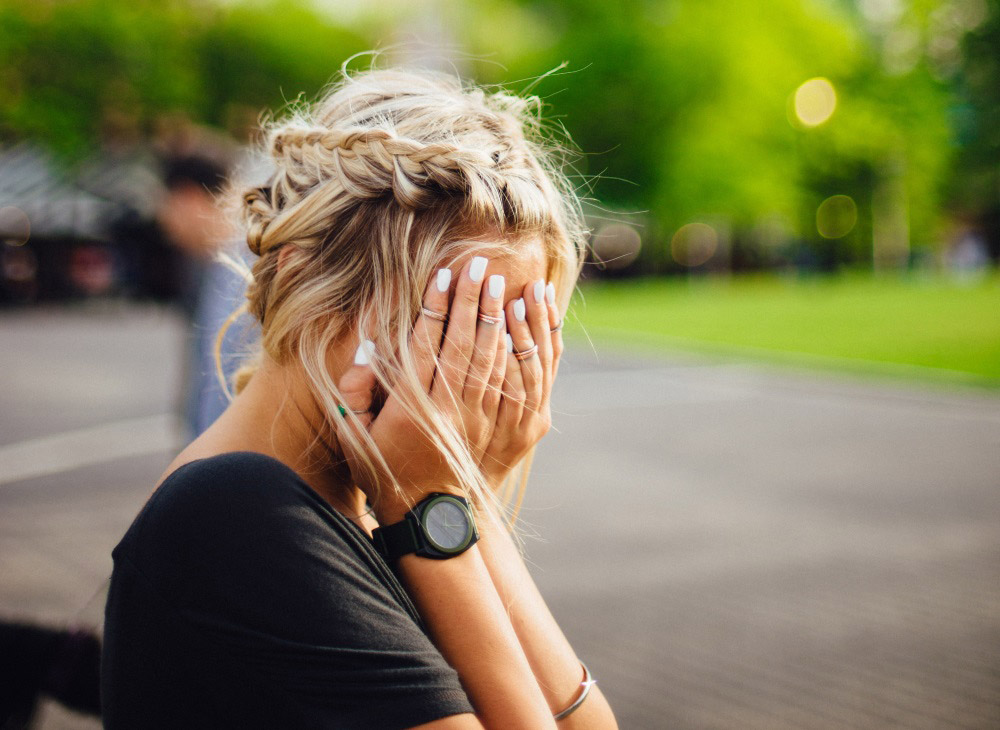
(396, 540)
(412, 533)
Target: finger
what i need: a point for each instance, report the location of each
(555, 327)
(356, 386)
(530, 366)
(537, 316)
(513, 395)
(494, 386)
(425, 341)
(460, 335)
(488, 330)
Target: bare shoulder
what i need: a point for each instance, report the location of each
(224, 436)
(196, 450)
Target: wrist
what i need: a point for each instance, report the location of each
(392, 507)
(495, 478)
(442, 525)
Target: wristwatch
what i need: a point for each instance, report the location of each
(440, 526)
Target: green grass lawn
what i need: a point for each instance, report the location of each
(919, 326)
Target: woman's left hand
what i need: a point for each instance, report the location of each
(524, 415)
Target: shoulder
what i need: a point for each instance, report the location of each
(240, 538)
(225, 468)
(236, 568)
(232, 491)
(239, 530)
(214, 481)
(232, 511)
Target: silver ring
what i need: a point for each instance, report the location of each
(525, 354)
(439, 316)
(343, 410)
(558, 327)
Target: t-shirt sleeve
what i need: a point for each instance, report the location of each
(254, 569)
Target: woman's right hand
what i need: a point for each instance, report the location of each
(463, 375)
(525, 415)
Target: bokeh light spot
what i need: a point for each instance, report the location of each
(694, 244)
(15, 227)
(616, 245)
(836, 216)
(815, 102)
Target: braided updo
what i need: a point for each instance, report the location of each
(390, 176)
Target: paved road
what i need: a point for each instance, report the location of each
(727, 546)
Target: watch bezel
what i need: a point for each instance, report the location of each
(471, 531)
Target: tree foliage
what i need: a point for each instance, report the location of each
(683, 107)
(78, 71)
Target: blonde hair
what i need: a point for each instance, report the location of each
(390, 176)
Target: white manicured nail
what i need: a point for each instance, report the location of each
(496, 286)
(444, 279)
(519, 310)
(510, 344)
(539, 291)
(478, 268)
(550, 293)
(364, 354)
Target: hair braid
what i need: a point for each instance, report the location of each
(258, 212)
(371, 162)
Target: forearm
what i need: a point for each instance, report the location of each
(550, 656)
(467, 621)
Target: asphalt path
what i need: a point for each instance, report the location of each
(726, 545)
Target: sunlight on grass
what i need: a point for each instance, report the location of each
(907, 320)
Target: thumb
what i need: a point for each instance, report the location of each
(356, 386)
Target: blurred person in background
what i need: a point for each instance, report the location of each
(210, 290)
(338, 548)
(63, 663)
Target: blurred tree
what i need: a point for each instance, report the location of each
(77, 71)
(71, 69)
(684, 107)
(687, 105)
(255, 57)
(975, 189)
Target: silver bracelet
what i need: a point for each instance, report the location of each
(587, 683)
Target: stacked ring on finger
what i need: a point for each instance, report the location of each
(439, 316)
(558, 327)
(489, 319)
(526, 353)
(343, 410)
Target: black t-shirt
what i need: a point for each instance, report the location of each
(241, 599)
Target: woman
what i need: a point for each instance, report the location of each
(417, 252)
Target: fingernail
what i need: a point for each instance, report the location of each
(539, 291)
(364, 354)
(550, 293)
(519, 310)
(478, 268)
(496, 286)
(444, 279)
(510, 344)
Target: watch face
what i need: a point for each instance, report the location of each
(447, 525)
